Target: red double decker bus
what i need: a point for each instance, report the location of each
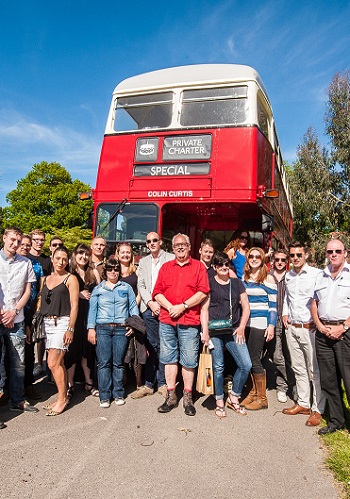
(192, 149)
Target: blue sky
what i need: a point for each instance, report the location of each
(60, 61)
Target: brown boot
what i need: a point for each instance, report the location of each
(252, 391)
(260, 401)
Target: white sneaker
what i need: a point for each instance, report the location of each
(282, 397)
(119, 401)
(105, 404)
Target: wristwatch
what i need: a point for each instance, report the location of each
(185, 305)
(17, 311)
(346, 327)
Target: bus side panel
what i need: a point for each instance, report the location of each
(115, 168)
(234, 167)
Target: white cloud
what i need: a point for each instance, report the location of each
(26, 134)
(24, 141)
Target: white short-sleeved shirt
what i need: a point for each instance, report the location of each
(333, 295)
(15, 273)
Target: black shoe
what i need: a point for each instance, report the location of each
(190, 409)
(330, 429)
(23, 406)
(2, 425)
(32, 393)
(169, 404)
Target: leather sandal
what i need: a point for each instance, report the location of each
(220, 412)
(236, 407)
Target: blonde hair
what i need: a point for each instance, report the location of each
(262, 274)
(132, 266)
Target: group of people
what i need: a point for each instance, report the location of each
(108, 312)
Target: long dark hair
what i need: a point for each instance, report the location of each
(89, 276)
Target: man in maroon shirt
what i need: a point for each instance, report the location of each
(181, 286)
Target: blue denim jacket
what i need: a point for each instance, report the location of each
(111, 305)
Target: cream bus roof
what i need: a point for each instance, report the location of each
(196, 74)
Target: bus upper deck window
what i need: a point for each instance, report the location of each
(142, 112)
(214, 106)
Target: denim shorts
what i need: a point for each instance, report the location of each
(179, 343)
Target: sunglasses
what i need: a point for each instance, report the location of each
(113, 269)
(281, 260)
(219, 265)
(149, 241)
(337, 251)
(243, 237)
(254, 257)
(55, 245)
(48, 297)
(297, 255)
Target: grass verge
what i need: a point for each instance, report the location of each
(338, 447)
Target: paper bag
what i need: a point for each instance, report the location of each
(205, 379)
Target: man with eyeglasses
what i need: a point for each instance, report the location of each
(147, 273)
(277, 348)
(181, 286)
(331, 313)
(24, 249)
(55, 242)
(36, 251)
(16, 276)
(300, 332)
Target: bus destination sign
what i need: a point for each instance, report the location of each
(162, 170)
(187, 147)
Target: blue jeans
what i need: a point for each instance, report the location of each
(154, 370)
(240, 355)
(111, 346)
(14, 341)
(179, 341)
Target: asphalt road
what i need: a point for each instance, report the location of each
(134, 452)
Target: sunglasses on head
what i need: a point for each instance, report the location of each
(281, 260)
(254, 257)
(112, 269)
(337, 251)
(149, 241)
(293, 255)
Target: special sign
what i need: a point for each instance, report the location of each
(161, 170)
(187, 147)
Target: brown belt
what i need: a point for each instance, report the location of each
(307, 325)
(114, 324)
(332, 323)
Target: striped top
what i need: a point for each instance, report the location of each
(262, 301)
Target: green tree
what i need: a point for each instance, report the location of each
(2, 228)
(337, 119)
(47, 198)
(315, 187)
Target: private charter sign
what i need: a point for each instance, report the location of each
(175, 148)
